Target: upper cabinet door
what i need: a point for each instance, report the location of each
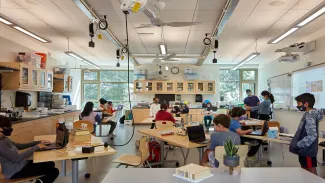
(180, 87)
(42, 79)
(210, 87)
(200, 86)
(159, 86)
(24, 76)
(138, 86)
(190, 86)
(49, 80)
(148, 86)
(170, 87)
(34, 77)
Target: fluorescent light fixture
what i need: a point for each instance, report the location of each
(247, 59)
(30, 34)
(76, 56)
(312, 17)
(286, 34)
(166, 68)
(5, 21)
(163, 49)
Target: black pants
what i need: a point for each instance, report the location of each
(113, 126)
(265, 117)
(47, 169)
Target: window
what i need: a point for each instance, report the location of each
(107, 84)
(233, 84)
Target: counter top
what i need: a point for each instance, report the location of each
(49, 115)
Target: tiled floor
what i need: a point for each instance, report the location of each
(99, 167)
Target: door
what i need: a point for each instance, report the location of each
(24, 76)
(148, 86)
(190, 87)
(49, 80)
(180, 87)
(42, 79)
(138, 86)
(34, 77)
(159, 87)
(170, 87)
(246, 86)
(200, 86)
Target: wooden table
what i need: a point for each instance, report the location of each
(248, 175)
(69, 153)
(150, 120)
(177, 140)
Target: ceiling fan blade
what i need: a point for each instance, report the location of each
(181, 24)
(168, 57)
(144, 26)
(150, 14)
(173, 60)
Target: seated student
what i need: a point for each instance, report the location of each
(208, 118)
(185, 109)
(221, 125)
(163, 114)
(305, 141)
(107, 108)
(107, 111)
(89, 115)
(176, 110)
(264, 108)
(15, 164)
(237, 115)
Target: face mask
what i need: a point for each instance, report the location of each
(301, 108)
(7, 132)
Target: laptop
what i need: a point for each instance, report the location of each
(60, 137)
(196, 134)
(262, 131)
(120, 107)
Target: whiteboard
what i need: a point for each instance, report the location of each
(310, 80)
(280, 87)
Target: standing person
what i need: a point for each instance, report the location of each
(208, 118)
(251, 101)
(185, 109)
(89, 115)
(221, 134)
(15, 164)
(163, 114)
(154, 108)
(107, 108)
(305, 141)
(264, 108)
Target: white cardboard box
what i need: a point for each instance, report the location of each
(128, 122)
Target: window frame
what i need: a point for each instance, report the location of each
(98, 82)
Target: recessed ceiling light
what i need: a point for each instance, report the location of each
(34, 1)
(277, 3)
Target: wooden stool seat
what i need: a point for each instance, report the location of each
(22, 180)
(128, 160)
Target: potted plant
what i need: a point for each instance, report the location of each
(231, 158)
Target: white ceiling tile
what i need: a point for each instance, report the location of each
(180, 5)
(189, 61)
(204, 26)
(176, 16)
(104, 4)
(211, 5)
(237, 19)
(176, 36)
(282, 24)
(148, 29)
(266, 16)
(153, 49)
(265, 5)
(308, 4)
(294, 14)
(8, 4)
(246, 5)
(194, 48)
(45, 4)
(207, 16)
(17, 14)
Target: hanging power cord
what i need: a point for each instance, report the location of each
(129, 92)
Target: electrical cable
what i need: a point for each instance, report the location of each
(129, 92)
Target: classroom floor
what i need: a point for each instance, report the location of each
(100, 166)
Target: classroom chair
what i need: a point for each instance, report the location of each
(220, 151)
(77, 125)
(135, 161)
(22, 180)
(165, 125)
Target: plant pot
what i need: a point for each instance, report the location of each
(231, 161)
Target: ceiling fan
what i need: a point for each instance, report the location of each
(167, 58)
(156, 22)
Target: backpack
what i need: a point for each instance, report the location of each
(122, 119)
(154, 151)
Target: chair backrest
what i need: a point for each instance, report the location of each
(144, 148)
(163, 125)
(220, 151)
(274, 124)
(78, 125)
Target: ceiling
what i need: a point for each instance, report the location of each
(252, 20)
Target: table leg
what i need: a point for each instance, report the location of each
(64, 168)
(260, 152)
(201, 152)
(162, 151)
(100, 129)
(186, 156)
(75, 171)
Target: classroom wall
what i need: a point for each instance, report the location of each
(206, 72)
(290, 119)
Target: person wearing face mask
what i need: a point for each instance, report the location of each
(220, 135)
(251, 101)
(15, 164)
(305, 141)
(208, 118)
(154, 108)
(264, 108)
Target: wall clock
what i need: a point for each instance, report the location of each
(175, 70)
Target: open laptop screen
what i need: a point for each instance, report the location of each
(196, 133)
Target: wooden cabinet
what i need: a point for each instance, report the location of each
(49, 78)
(25, 77)
(140, 114)
(174, 87)
(62, 83)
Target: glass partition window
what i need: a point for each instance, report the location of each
(248, 75)
(90, 76)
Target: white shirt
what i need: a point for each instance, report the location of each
(154, 108)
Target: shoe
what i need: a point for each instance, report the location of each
(111, 136)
